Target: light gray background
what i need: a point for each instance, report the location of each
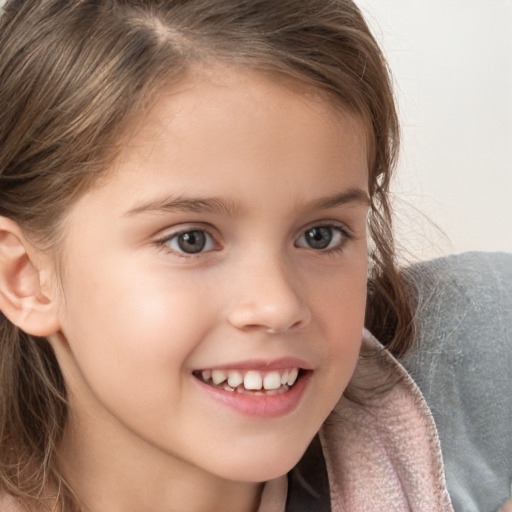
(452, 61)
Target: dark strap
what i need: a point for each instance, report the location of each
(308, 482)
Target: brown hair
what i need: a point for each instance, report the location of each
(74, 73)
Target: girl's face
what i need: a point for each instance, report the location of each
(225, 253)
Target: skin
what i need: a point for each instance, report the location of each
(135, 316)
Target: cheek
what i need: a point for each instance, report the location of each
(134, 322)
(340, 310)
(126, 336)
(341, 302)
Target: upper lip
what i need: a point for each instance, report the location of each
(263, 365)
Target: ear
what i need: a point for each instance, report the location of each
(26, 295)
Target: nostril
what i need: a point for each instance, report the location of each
(273, 320)
(297, 325)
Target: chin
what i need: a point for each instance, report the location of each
(267, 465)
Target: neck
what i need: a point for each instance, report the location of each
(121, 473)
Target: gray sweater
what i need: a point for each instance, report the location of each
(462, 362)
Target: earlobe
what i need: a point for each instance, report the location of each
(26, 298)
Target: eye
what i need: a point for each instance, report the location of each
(322, 238)
(193, 241)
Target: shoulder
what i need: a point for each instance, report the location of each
(464, 314)
(461, 361)
(475, 282)
(463, 319)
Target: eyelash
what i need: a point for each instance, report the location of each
(166, 241)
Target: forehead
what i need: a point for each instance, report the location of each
(219, 105)
(222, 127)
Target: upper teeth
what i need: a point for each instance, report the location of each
(234, 379)
(253, 379)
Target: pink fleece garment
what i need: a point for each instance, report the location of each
(383, 455)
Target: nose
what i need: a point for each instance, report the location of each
(268, 298)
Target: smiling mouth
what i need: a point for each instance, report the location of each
(251, 382)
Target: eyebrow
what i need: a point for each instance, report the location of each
(188, 204)
(217, 205)
(352, 195)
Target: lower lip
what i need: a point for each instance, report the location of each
(260, 406)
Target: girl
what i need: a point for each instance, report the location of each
(185, 192)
